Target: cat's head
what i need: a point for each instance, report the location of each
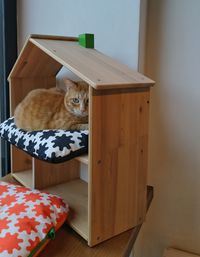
(76, 97)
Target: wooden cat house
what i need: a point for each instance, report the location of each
(114, 198)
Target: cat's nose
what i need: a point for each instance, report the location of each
(83, 109)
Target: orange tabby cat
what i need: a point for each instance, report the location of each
(51, 109)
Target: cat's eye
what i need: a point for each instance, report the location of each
(75, 100)
(87, 101)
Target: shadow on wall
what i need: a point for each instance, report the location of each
(174, 159)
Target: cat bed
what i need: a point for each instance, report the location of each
(28, 220)
(53, 146)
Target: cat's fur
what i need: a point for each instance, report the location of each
(52, 109)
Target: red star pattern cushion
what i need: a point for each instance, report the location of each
(28, 219)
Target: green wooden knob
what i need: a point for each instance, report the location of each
(86, 40)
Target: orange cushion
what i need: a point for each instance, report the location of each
(28, 219)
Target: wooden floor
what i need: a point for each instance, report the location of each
(69, 244)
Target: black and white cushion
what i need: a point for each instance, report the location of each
(54, 146)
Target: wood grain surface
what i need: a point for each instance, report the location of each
(69, 243)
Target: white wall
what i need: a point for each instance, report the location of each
(173, 60)
(115, 23)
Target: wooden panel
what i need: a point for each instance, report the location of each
(118, 156)
(20, 160)
(53, 37)
(170, 252)
(75, 193)
(33, 62)
(24, 177)
(20, 87)
(83, 159)
(48, 174)
(97, 69)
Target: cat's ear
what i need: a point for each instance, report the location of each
(68, 84)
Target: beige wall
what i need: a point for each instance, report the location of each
(173, 60)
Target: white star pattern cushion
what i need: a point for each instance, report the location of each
(28, 220)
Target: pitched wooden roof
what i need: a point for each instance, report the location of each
(44, 56)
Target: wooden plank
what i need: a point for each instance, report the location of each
(90, 157)
(83, 159)
(20, 87)
(32, 62)
(75, 193)
(171, 252)
(97, 69)
(118, 170)
(48, 174)
(20, 160)
(9, 179)
(53, 37)
(24, 177)
(70, 244)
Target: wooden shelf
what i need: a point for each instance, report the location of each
(75, 193)
(25, 177)
(68, 243)
(83, 159)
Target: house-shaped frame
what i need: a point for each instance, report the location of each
(114, 199)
